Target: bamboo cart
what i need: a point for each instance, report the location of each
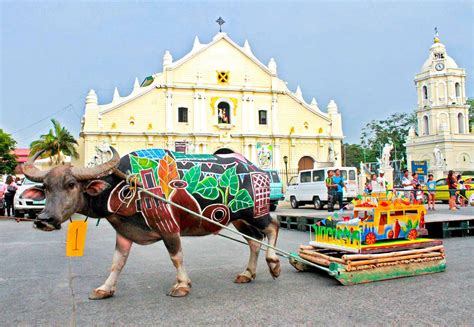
(379, 242)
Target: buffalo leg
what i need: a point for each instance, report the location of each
(250, 272)
(122, 249)
(271, 231)
(183, 283)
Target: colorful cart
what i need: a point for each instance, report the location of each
(380, 241)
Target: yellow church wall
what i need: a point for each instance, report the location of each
(222, 57)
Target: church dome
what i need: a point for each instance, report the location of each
(438, 47)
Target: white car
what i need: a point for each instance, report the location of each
(27, 206)
(310, 187)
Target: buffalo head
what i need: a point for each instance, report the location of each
(65, 188)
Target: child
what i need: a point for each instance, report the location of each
(431, 192)
(418, 195)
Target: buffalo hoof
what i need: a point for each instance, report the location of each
(242, 279)
(274, 267)
(179, 291)
(99, 294)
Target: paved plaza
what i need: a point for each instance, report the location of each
(39, 285)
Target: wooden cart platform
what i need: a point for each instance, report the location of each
(349, 268)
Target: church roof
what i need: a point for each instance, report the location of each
(435, 48)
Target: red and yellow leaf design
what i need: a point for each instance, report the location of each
(167, 172)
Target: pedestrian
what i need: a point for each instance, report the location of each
(431, 184)
(382, 182)
(452, 186)
(18, 181)
(406, 183)
(331, 190)
(9, 190)
(461, 190)
(373, 184)
(338, 180)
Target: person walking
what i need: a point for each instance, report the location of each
(331, 190)
(338, 180)
(382, 182)
(431, 184)
(452, 186)
(461, 190)
(9, 190)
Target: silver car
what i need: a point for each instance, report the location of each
(27, 206)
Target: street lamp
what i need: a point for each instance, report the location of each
(285, 160)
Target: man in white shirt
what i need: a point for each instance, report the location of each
(381, 182)
(406, 183)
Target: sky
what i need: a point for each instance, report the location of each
(362, 54)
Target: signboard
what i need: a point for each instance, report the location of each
(180, 146)
(420, 167)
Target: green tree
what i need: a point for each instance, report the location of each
(352, 155)
(394, 130)
(58, 140)
(470, 102)
(7, 157)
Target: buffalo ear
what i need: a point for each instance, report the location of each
(96, 187)
(33, 193)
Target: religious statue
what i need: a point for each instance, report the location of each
(385, 160)
(439, 160)
(103, 153)
(331, 155)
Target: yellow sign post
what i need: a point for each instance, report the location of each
(76, 238)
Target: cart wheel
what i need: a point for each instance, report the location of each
(412, 234)
(370, 238)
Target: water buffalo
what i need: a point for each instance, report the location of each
(226, 188)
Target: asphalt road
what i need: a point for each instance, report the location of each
(39, 285)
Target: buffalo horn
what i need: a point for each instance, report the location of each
(32, 172)
(82, 174)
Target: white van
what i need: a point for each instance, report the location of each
(310, 187)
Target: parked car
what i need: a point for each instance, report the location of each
(276, 189)
(23, 206)
(309, 187)
(442, 192)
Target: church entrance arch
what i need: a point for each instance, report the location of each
(305, 162)
(224, 151)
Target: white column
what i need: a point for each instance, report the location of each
(169, 111)
(204, 148)
(203, 112)
(276, 157)
(251, 111)
(254, 155)
(274, 121)
(197, 113)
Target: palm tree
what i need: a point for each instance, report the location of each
(58, 140)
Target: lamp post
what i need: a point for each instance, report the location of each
(285, 160)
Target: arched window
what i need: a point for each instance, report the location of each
(262, 117)
(425, 92)
(223, 112)
(461, 123)
(457, 88)
(426, 126)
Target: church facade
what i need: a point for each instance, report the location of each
(444, 139)
(217, 98)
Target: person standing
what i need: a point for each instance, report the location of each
(452, 186)
(331, 190)
(462, 190)
(406, 183)
(9, 190)
(431, 184)
(339, 181)
(373, 184)
(382, 182)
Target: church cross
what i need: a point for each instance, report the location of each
(221, 22)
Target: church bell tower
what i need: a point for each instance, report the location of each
(443, 138)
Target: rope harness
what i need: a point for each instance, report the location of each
(135, 186)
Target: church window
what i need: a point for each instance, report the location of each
(223, 112)
(223, 77)
(457, 88)
(426, 126)
(182, 115)
(262, 117)
(461, 123)
(425, 92)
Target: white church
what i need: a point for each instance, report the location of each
(444, 140)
